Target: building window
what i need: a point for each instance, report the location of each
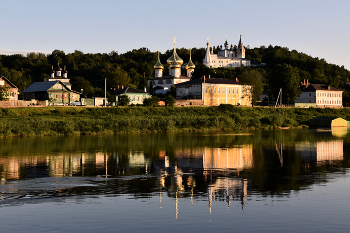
(219, 90)
(206, 90)
(223, 90)
(214, 90)
(210, 90)
(229, 90)
(309, 94)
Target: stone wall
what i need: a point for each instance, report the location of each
(190, 102)
(22, 103)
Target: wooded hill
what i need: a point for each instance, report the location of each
(283, 69)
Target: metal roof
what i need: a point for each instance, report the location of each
(128, 90)
(209, 80)
(43, 86)
(318, 87)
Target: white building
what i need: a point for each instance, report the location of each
(162, 84)
(226, 57)
(319, 95)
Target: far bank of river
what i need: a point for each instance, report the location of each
(45, 121)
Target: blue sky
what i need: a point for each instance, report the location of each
(316, 27)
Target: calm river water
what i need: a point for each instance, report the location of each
(244, 181)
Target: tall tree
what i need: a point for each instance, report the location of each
(286, 77)
(254, 79)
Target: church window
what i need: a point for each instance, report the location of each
(168, 81)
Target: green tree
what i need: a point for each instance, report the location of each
(170, 101)
(252, 78)
(286, 77)
(79, 84)
(151, 102)
(123, 100)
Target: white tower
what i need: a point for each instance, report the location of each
(240, 49)
(190, 67)
(65, 72)
(175, 63)
(158, 67)
(207, 58)
(58, 70)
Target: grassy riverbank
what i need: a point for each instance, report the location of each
(84, 120)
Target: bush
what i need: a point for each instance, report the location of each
(170, 101)
(151, 102)
(123, 100)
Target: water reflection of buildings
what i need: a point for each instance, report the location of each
(213, 163)
(183, 174)
(228, 158)
(63, 164)
(320, 152)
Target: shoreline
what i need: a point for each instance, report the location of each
(60, 121)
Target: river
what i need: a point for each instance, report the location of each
(240, 181)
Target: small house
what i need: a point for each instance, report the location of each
(54, 92)
(135, 96)
(12, 90)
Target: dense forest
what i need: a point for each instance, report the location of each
(281, 68)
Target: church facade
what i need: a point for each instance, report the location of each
(227, 57)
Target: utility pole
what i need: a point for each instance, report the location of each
(105, 90)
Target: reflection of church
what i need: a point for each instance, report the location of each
(208, 165)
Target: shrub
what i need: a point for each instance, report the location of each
(169, 101)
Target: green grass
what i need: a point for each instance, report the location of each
(85, 120)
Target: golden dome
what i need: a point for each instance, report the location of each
(190, 64)
(158, 65)
(174, 64)
(175, 58)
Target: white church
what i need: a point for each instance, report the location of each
(226, 57)
(162, 83)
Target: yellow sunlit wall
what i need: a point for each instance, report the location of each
(235, 94)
